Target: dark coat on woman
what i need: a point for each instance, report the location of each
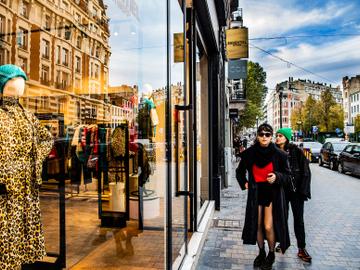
(300, 170)
(279, 208)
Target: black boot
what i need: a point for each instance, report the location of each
(269, 261)
(260, 259)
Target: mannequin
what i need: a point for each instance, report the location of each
(24, 146)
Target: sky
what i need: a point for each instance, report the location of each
(320, 40)
(138, 45)
(321, 37)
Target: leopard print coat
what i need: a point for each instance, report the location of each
(24, 145)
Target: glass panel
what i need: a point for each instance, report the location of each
(97, 78)
(179, 164)
(202, 130)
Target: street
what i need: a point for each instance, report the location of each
(332, 225)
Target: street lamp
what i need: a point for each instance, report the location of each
(299, 123)
(280, 91)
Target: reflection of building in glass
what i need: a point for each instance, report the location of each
(124, 101)
(63, 46)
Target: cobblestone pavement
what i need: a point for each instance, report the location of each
(332, 225)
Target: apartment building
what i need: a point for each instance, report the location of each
(351, 96)
(63, 46)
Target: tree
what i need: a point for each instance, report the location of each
(255, 95)
(310, 114)
(297, 117)
(357, 123)
(325, 105)
(336, 118)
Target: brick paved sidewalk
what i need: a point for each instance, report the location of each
(333, 235)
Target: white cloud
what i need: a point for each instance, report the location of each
(270, 18)
(332, 60)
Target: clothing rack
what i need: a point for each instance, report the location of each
(111, 218)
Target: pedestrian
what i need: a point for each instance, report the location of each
(268, 175)
(301, 174)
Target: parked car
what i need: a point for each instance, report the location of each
(329, 153)
(349, 159)
(314, 148)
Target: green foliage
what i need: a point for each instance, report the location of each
(326, 103)
(325, 114)
(255, 95)
(357, 123)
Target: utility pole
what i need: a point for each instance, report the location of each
(280, 91)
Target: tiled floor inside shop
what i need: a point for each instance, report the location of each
(89, 246)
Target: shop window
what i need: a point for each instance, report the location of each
(78, 64)
(23, 64)
(22, 38)
(45, 74)
(24, 10)
(65, 57)
(46, 49)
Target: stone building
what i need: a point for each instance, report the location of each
(351, 96)
(295, 94)
(63, 46)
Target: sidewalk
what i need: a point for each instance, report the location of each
(330, 249)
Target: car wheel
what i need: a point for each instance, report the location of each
(341, 168)
(320, 162)
(333, 165)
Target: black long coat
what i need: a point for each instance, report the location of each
(283, 180)
(300, 170)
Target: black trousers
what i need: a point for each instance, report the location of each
(297, 207)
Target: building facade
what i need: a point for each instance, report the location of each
(295, 93)
(351, 97)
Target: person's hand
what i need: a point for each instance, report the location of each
(246, 185)
(271, 178)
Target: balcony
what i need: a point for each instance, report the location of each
(237, 99)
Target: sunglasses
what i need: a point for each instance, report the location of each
(266, 134)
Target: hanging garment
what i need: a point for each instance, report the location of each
(118, 143)
(24, 144)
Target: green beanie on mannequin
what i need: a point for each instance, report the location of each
(287, 132)
(8, 72)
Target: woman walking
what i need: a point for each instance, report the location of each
(300, 170)
(266, 209)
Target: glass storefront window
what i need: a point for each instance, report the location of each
(96, 92)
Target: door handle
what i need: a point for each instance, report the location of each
(185, 193)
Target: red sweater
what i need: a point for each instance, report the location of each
(260, 174)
